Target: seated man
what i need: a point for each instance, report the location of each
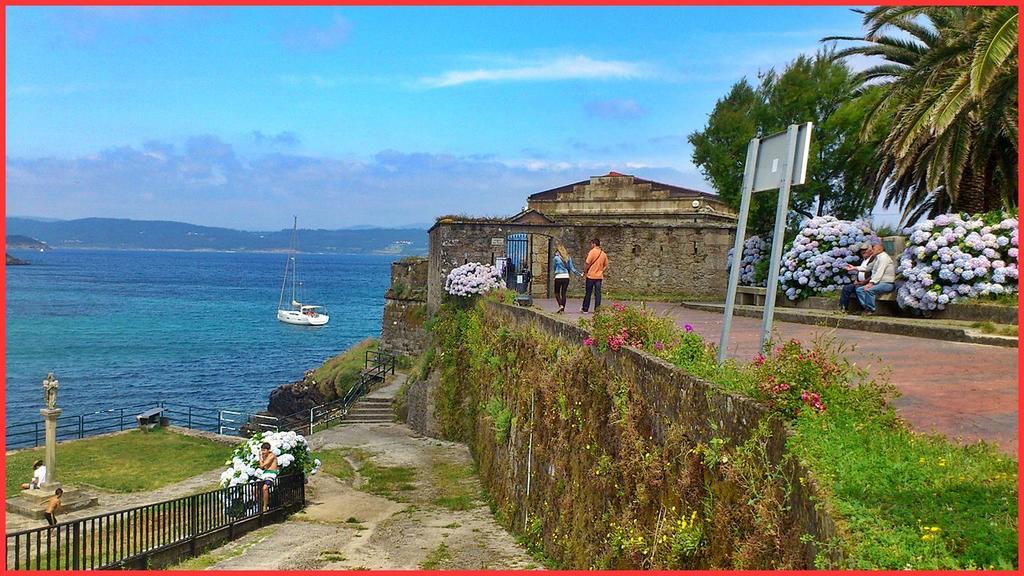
(859, 279)
(879, 276)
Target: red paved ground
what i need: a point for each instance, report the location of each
(964, 391)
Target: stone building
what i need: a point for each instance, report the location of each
(405, 308)
(661, 240)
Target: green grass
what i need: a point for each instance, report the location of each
(386, 481)
(205, 561)
(891, 487)
(131, 462)
(456, 483)
(437, 557)
(998, 300)
(333, 462)
(335, 376)
(997, 329)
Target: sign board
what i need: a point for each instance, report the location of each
(771, 157)
(497, 241)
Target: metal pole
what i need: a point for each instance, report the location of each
(779, 237)
(737, 250)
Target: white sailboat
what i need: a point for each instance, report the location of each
(297, 312)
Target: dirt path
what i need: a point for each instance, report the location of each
(431, 519)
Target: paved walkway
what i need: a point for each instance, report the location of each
(963, 391)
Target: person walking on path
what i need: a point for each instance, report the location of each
(562, 265)
(53, 506)
(597, 262)
(268, 472)
(879, 275)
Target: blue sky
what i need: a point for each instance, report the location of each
(240, 117)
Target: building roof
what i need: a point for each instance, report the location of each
(673, 191)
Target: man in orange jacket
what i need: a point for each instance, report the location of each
(597, 261)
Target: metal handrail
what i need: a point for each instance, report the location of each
(127, 537)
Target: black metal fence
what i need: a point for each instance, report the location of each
(376, 366)
(131, 538)
(71, 427)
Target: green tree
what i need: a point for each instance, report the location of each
(948, 82)
(816, 89)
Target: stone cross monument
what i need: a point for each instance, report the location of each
(50, 415)
(33, 503)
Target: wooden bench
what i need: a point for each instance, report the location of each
(151, 418)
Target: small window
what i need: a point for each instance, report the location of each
(636, 250)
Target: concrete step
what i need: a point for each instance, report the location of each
(366, 421)
(375, 401)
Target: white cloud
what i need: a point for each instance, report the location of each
(563, 68)
(205, 182)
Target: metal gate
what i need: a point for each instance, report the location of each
(517, 246)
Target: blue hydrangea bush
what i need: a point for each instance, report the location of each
(755, 249)
(957, 256)
(815, 261)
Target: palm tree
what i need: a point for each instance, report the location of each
(949, 82)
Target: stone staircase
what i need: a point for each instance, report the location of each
(370, 410)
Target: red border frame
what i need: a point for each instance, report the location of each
(3, 149)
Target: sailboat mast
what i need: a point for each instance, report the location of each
(295, 248)
(287, 262)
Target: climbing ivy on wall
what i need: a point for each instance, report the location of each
(603, 491)
(575, 466)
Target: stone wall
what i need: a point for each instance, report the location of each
(420, 407)
(529, 474)
(686, 259)
(671, 397)
(405, 308)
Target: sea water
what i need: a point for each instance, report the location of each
(119, 328)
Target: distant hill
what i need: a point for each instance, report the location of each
(19, 242)
(122, 234)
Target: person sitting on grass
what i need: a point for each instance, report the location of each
(268, 471)
(38, 476)
(53, 506)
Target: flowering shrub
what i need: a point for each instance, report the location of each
(815, 260)
(291, 450)
(754, 251)
(791, 378)
(958, 256)
(471, 279)
(621, 325)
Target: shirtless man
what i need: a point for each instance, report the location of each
(53, 506)
(268, 471)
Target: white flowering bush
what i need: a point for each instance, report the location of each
(291, 450)
(815, 261)
(755, 249)
(471, 279)
(958, 256)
